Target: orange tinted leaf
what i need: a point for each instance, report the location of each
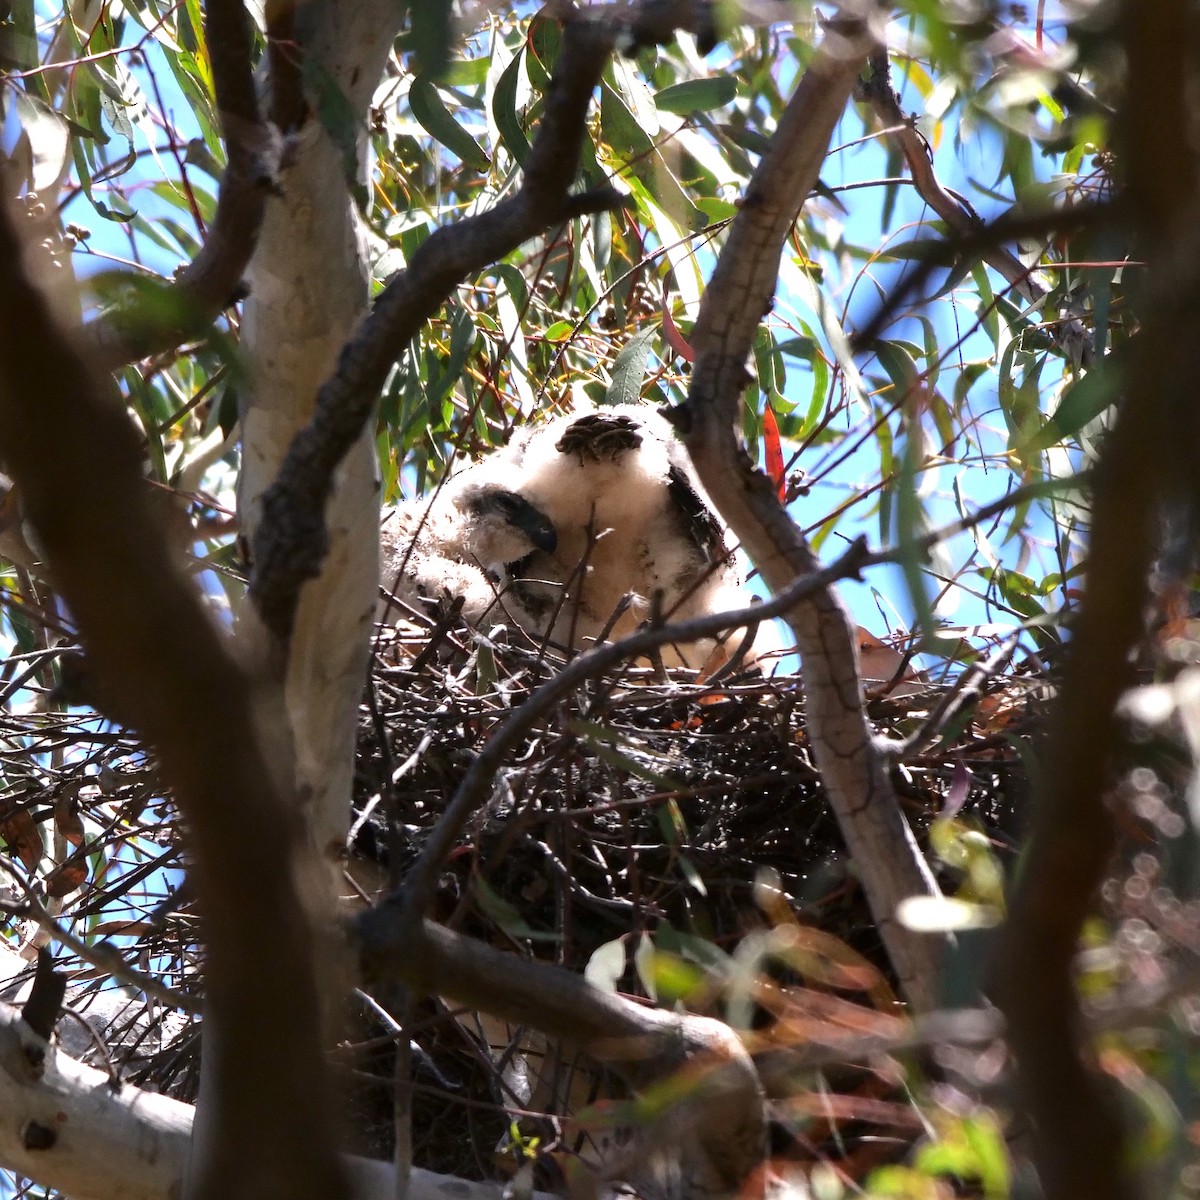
(124, 928)
(675, 339)
(773, 451)
(20, 831)
(67, 820)
(66, 878)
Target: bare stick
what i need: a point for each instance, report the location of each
(959, 216)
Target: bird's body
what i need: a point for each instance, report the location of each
(574, 531)
(634, 527)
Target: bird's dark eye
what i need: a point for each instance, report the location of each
(522, 515)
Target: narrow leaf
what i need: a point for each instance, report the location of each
(504, 112)
(606, 966)
(1084, 401)
(431, 112)
(696, 95)
(629, 370)
(49, 138)
(675, 339)
(432, 35)
(773, 452)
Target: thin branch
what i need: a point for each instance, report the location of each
(476, 785)
(104, 956)
(1039, 489)
(291, 540)
(41, 1010)
(162, 318)
(289, 108)
(79, 1131)
(954, 701)
(723, 1105)
(960, 217)
(978, 242)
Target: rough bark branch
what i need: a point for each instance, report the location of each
(291, 541)
(1148, 458)
(739, 294)
(159, 655)
(1077, 1138)
(211, 281)
(288, 106)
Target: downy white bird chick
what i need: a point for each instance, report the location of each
(632, 518)
(461, 543)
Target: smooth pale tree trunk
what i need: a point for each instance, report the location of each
(68, 1128)
(308, 286)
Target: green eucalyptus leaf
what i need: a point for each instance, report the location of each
(630, 369)
(430, 110)
(49, 138)
(431, 24)
(696, 95)
(1085, 400)
(504, 112)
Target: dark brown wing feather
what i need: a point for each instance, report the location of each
(696, 518)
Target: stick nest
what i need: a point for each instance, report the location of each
(646, 805)
(645, 809)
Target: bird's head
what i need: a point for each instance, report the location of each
(502, 527)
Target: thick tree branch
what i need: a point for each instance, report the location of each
(720, 1124)
(309, 285)
(70, 1129)
(740, 293)
(288, 105)
(1149, 457)
(73, 453)
(291, 540)
(167, 316)
(1079, 1148)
